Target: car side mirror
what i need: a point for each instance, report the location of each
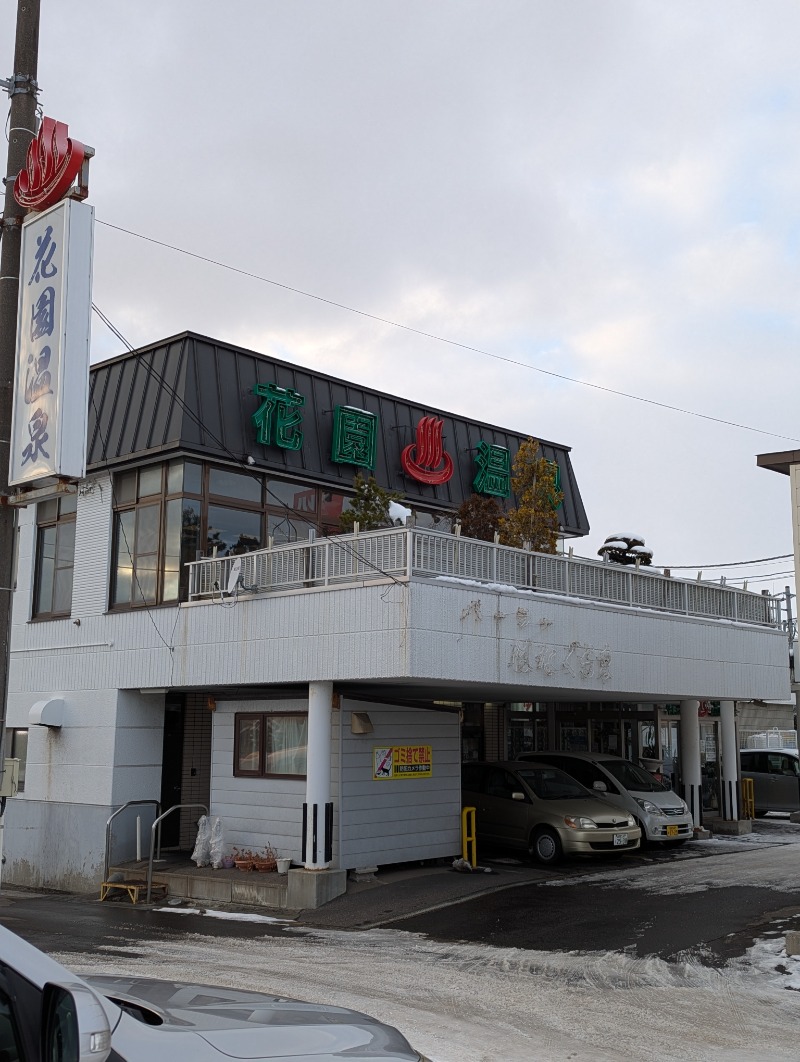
(601, 787)
(516, 795)
(74, 1024)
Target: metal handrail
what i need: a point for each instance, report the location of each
(405, 553)
(131, 803)
(157, 823)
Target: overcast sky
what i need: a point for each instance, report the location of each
(608, 191)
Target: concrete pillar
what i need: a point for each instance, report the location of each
(730, 761)
(691, 773)
(318, 808)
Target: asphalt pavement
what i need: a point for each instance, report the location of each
(582, 905)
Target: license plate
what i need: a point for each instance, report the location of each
(672, 831)
(620, 838)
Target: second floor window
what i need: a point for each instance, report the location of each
(55, 556)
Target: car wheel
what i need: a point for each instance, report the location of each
(545, 847)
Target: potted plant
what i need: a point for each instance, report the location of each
(244, 859)
(265, 860)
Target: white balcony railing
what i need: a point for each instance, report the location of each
(405, 553)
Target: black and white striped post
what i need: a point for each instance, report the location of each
(317, 851)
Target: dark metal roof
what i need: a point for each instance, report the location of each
(779, 462)
(190, 394)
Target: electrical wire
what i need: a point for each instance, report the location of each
(258, 476)
(443, 339)
(732, 564)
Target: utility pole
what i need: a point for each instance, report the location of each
(22, 88)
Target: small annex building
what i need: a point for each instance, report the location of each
(191, 629)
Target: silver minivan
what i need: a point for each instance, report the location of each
(776, 778)
(659, 812)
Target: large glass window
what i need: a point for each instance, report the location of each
(156, 531)
(55, 556)
(270, 745)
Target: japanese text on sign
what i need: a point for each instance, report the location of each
(402, 761)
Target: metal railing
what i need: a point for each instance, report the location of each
(157, 826)
(130, 804)
(403, 553)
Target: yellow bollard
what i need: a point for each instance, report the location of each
(468, 837)
(748, 799)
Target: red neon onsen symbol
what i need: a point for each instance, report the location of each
(51, 165)
(430, 453)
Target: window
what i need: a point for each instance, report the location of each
(16, 748)
(55, 556)
(156, 531)
(270, 745)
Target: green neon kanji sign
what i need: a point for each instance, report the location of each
(494, 470)
(277, 420)
(355, 432)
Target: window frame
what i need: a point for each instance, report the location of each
(58, 523)
(263, 752)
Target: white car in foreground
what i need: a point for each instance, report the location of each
(48, 1013)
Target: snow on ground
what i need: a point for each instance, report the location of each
(470, 1003)
(476, 1003)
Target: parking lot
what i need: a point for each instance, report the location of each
(672, 953)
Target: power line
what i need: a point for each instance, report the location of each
(443, 339)
(733, 564)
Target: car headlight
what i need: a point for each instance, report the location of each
(649, 807)
(631, 820)
(580, 822)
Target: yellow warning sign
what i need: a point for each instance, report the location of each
(402, 761)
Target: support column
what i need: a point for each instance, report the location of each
(730, 761)
(318, 808)
(691, 773)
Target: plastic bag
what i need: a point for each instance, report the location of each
(215, 852)
(202, 846)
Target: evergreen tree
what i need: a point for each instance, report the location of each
(535, 520)
(369, 506)
(480, 517)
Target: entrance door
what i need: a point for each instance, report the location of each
(172, 769)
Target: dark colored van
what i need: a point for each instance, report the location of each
(776, 778)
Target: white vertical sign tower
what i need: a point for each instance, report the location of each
(49, 422)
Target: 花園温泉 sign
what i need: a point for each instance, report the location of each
(51, 388)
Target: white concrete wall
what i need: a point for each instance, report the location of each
(397, 821)
(107, 752)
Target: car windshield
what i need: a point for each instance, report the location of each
(632, 777)
(548, 783)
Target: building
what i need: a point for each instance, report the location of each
(189, 629)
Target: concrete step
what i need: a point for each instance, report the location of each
(218, 886)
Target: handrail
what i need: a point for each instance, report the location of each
(175, 807)
(412, 552)
(131, 803)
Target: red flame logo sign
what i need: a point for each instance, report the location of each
(424, 465)
(52, 164)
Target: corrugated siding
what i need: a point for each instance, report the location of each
(383, 822)
(191, 393)
(254, 811)
(92, 547)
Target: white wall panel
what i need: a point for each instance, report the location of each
(396, 821)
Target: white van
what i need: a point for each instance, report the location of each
(776, 778)
(659, 812)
